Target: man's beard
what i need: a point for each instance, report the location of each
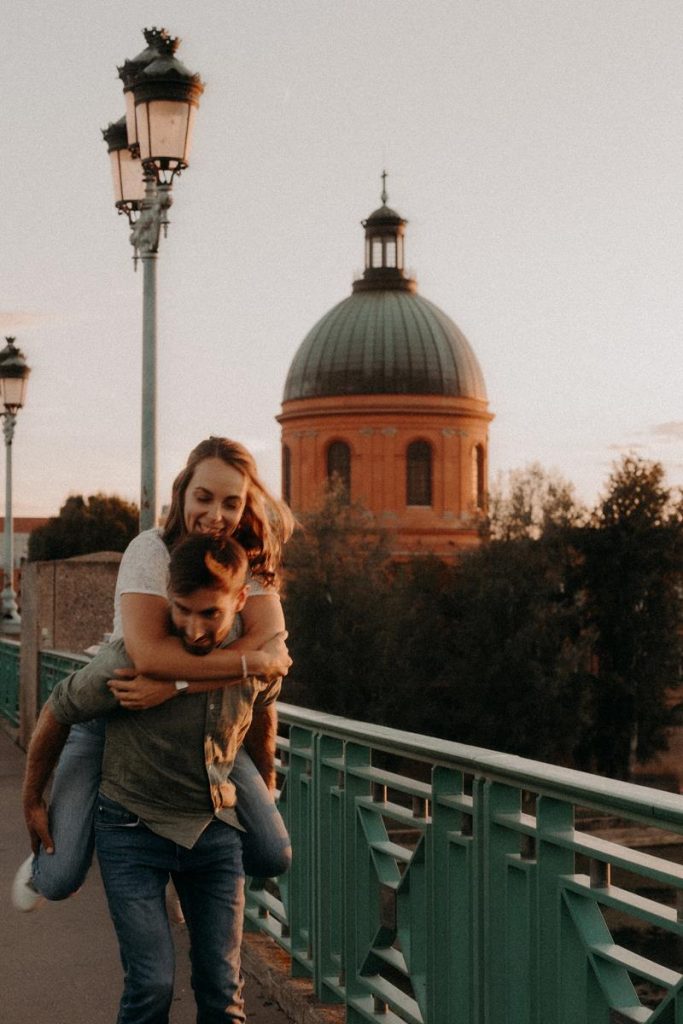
(198, 649)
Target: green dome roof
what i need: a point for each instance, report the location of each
(385, 342)
(385, 339)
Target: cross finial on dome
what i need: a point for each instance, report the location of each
(384, 195)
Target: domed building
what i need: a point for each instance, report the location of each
(385, 393)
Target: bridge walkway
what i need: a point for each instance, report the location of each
(61, 963)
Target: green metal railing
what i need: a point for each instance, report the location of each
(9, 681)
(53, 666)
(439, 883)
(436, 883)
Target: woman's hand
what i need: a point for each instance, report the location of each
(135, 693)
(277, 660)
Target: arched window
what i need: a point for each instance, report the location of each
(339, 465)
(287, 474)
(478, 477)
(419, 473)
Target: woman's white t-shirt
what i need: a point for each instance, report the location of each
(144, 570)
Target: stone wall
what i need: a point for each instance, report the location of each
(67, 605)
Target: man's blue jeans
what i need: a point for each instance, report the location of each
(136, 865)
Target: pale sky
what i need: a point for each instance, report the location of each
(534, 146)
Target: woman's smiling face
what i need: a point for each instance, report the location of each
(215, 498)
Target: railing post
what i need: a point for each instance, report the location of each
(451, 885)
(552, 817)
(500, 845)
(330, 874)
(300, 801)
(361, 904)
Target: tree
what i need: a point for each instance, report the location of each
(100, 523)
(505, 654)
(488, 652)
(560, 642)
(633, 550)
(530, 502)
(336, 575)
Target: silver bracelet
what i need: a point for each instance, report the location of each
(243, 662)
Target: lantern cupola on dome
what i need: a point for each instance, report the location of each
(384, 250)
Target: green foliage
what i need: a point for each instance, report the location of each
(559, 641)
(336, 579)
(633, 551)
(487, 652)
(505, 652)
(102, 523)
(529, 502)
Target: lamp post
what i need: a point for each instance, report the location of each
(148, 149)
(14, 373)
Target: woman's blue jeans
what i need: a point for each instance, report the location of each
(72, 804)
(136, 865)
(266, 847)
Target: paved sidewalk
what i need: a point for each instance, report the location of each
(60, 964)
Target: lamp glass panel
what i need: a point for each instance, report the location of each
(132, 182)
(165, 129)
(12, 390)
(131, 126)
(115, 157)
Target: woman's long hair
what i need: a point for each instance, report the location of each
(266, 523)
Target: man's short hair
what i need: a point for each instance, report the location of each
(201, 560)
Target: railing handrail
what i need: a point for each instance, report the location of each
(651, 806)
(71, 656)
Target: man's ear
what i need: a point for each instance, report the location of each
(241, 599)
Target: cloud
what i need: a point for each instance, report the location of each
(13, 321)
(652, 438)
(672, 431)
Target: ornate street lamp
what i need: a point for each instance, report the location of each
(162, 98)
(14, 373)
(126, 169)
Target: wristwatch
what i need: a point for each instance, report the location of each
(181, 684)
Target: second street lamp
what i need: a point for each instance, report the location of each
(161, 97)
(14, 373)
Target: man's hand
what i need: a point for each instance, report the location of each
(135, 693)
(49, 736)
(35, 813)
(278, 661)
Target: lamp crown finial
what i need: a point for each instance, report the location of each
(161, 40)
